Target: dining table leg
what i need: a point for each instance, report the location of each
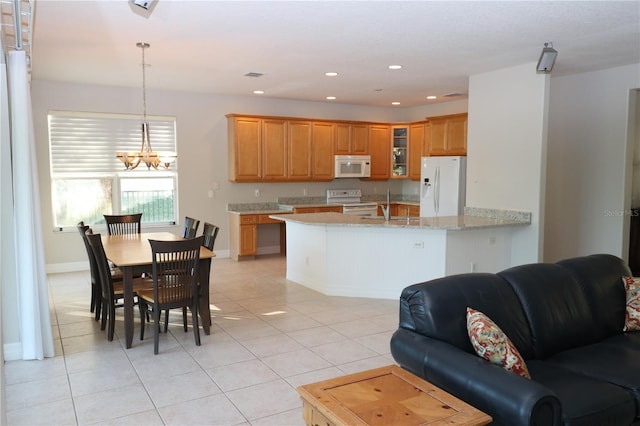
(205, 311)
(127, 283)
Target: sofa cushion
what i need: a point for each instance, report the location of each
(632, 315)
(605, 361)
(585, 401)
(599, 277)
(437, 309)
(555, 306)
(492, 344)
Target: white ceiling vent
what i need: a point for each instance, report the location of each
(254, 74)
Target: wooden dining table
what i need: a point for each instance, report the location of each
(132, 254)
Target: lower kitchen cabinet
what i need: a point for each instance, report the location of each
(406, 210)
(401, 210)
(243, 234)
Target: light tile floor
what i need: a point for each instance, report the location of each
(269, 336)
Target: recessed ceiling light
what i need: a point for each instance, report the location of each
(331, 74)
(395, 103)
(432, 97)
(258, 92)
(395, 67)
(331, 98)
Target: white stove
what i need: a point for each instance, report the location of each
(351, 204)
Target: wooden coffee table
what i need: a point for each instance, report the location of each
(384, 396)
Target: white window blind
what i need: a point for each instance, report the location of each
(88, 142)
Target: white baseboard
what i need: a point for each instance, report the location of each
(58, 268)
(221, 254)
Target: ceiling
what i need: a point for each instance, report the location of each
(209, 46)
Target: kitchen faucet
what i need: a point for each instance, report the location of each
(386, 210)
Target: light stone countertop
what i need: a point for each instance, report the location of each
(441, 223)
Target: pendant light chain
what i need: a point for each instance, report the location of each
(143, 46)
(146, 155)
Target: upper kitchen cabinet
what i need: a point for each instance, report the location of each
(278, 149)
(274, 149)
(322, 142)
(379, 149)
(352, 139)
(299, 145)
(400, 152)
(448, 135)
(245, 148)
(419, 146)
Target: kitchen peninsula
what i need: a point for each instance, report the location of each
(342, 255)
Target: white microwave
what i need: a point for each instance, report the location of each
(353, 166)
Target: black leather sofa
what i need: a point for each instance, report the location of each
(566, 320)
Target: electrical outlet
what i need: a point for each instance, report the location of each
(492, 240)
(418, 244)
(305, 192)
(257, 192)
(215, 185)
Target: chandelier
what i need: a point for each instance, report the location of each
(146, 155)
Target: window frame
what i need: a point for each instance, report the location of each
(115, 128)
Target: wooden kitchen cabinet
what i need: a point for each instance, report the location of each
(245, 149)
(352, 139)
(379, 149)
(417, 149)
(243, 233)
(299, 154)
(406, 210)
(448, 135)
(322, 142)
(274, 149)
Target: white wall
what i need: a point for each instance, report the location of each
(506, 149)
(589, 163)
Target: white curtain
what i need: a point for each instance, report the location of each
(30, 277)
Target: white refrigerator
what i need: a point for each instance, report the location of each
(442, 186)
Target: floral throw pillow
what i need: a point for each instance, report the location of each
(632, 316)
(490, 342)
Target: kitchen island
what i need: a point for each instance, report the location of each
(345, 255)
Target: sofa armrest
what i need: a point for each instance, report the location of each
(508, 398)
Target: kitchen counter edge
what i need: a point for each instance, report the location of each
(454, 223)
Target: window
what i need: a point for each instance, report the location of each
(87, 180)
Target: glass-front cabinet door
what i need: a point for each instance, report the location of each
(399, 152)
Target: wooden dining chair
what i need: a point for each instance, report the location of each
(175, 284)
(190, 227)
(209, 232)
(122, 224)
(112, 291)
(95, 280)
